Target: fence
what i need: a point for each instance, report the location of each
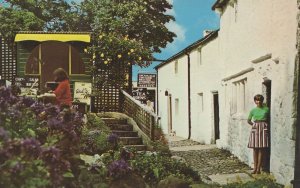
(145, 118)
(7, 59)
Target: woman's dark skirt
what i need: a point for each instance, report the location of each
(259, 135)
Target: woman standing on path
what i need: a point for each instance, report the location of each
(259, 135)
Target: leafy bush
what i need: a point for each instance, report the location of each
(260, 182)
(93, 142)
(155, 167)
(38, 142)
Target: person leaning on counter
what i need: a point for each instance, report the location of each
(63, 91)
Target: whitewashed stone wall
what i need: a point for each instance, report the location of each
(249, 31)
(206, 74)
(176, 85)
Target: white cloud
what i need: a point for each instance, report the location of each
(177, 29)
(171, 1)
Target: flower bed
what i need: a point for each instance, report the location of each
(42, 146)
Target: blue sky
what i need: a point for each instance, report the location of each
(192, 17)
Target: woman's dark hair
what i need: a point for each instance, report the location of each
(61, 75)
(259, 98)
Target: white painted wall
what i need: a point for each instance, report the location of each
(251, 29)
(206, 74)
(176, 85)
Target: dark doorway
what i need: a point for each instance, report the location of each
(216, 116)
(267, 94)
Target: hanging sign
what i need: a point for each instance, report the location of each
(146, 80)
(82, 92)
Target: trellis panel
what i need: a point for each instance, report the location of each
(8, 56)
(107, 98)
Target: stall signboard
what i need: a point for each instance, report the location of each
(82, 92)
(140, 94)
(146, 80)
(29, 85)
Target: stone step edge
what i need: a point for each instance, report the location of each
(129, 137)
(120, 131)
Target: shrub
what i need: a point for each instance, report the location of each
(157, 167)
(263, 181)
(38, 142)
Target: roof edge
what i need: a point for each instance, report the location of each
(189, 48)
(219, 4)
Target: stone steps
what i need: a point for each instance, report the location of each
(131, 140)
(121, 127)
(137, 147)
(127, 136)
(110, 121)
(125, 133)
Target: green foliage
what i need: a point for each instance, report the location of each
(93, 178)
(259, 182)
(129, 31)
(15, 20)
(95, 122)
(94, 142)
(157, 167)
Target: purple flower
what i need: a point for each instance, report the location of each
(118, 168)
(27, 101)
(52, 110)
(14, 113)
(51, 154)
(54, 123)
(30, 143)
(112, 138)
(4, 134)
(17, 168)
(5, 92)
(37, 108)
(3, 104)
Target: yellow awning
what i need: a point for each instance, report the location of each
(53, 37)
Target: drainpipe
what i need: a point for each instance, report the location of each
(296, 181)
(156, 106)
(189, 93)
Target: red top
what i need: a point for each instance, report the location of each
(63, 93)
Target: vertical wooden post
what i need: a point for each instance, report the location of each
(152, 127)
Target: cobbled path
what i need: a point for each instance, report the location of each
(209, 161)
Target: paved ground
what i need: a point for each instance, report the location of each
(214, 165)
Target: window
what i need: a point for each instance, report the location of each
(176, 66)
(238, 100)
(176, 107)
(236, 11)
(199, 56)
(200, 102)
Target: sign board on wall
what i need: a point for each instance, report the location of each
(146, 80)
(82, 92)
(29, 85)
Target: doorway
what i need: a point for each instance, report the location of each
(267, 87)
(216, 117)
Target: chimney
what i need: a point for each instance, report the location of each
(206, 32)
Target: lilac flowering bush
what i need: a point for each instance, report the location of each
(38, 143)
(119, 168)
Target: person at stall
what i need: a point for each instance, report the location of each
(63, 91)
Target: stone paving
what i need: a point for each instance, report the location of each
(214, 165)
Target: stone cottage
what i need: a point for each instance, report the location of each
(254, 52)
(188, 104)
(258, 50)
